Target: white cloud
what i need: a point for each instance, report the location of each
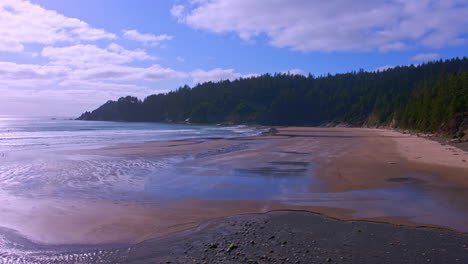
(62, 95)
(394, 46)
(69, 98)
(119, 72)
(10, 71)
(23, 22)
(179, 58)
(157, 72)
(336, 25)
(85, 55)
(68, 88)
(73, 75)
(31, 75)
(178, 12)
(217, 74)
(294, 72)
(101, 85)
(10, 45)
(383, 68)
(146, 38)
(425, 57)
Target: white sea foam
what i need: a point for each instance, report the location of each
(26, 134)
(30, 165)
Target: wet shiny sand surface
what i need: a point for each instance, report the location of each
(91, 202)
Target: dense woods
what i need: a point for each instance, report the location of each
(432, 97)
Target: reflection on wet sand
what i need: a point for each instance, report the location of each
(356, 174)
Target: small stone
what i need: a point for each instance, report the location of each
(213, 245)
(231, 247)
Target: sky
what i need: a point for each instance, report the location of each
(61, 58)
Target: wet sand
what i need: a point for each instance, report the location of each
(345, 173)
(274, 237)
(301, 237)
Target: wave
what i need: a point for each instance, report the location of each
(34, 134)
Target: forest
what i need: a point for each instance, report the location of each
(431, 97)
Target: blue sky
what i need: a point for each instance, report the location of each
(64, 57)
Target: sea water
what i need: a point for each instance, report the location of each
(31, 133)
(38, 155)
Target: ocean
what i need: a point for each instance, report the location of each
(46, 133)
(43, 156)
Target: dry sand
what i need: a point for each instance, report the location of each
(371, 156)
(426, 151)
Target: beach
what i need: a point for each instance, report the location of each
(404, 188)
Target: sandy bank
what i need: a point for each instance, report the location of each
(419, 149)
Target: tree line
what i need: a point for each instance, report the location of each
(431, 97)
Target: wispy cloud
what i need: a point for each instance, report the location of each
(85, 55)
(10, 71)
(425, 57)
(73, 97)
(178, 12)
(217, 74)
(145, 37)
(384, 68)
(294, 72)
(127, 73)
